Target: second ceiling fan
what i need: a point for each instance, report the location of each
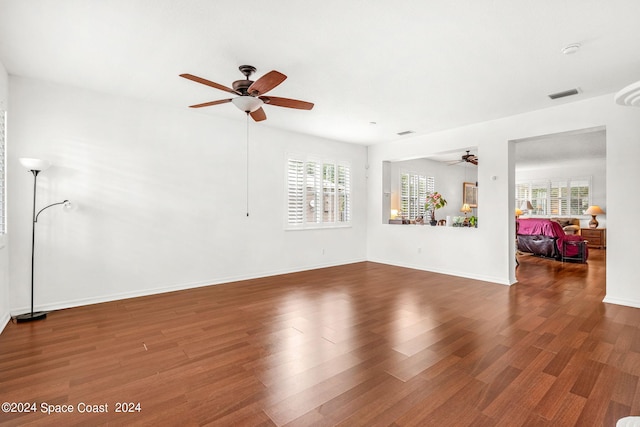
(250, 93)
(469, 158)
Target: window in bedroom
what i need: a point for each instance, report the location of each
(413, 193)
(318, 193)
(559, 197)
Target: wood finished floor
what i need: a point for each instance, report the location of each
(361, 344)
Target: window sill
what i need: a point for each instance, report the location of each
(317, 227)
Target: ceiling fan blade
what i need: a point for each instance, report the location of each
(208, 104)
(208, 83)
(454, 162)
(287, 102)
(474, 161)
(259, 115)
(267, 82)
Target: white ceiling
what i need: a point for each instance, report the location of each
(412, 65)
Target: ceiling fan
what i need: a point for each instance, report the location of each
(251, 93)
(469, 158)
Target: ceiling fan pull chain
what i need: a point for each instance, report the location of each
(247, 164)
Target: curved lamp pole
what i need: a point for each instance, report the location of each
(35, 166)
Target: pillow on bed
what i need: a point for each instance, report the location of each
(563, 221)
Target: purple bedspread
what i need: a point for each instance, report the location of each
(537, 226)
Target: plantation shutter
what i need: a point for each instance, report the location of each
(522, 194)
(329, 192)
(404, 193)
(344, 193)
(580, 196)
(431, 187)
(558, 200)
(562, 197)
(318, 193)
(295, 191)
(422, 195)
(413, 194)
(314, 192)
(539, 194)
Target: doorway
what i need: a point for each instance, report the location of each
(559, 176)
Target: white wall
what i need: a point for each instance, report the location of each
(160, 198)
(488, 252)
(4, 251)
(158, 206)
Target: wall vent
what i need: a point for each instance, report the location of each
(569, 92)
(406, 132)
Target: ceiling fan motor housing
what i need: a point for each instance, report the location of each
(242, 86)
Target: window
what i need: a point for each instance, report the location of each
(559, 197)
(3, 120)
(580, 195)
(318, 193)
(413, 194)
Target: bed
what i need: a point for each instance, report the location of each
(546, 238)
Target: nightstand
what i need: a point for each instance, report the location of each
(597, 237)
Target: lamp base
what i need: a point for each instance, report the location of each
(594, 222)
(29, 317)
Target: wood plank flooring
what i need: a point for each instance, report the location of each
(360, 344)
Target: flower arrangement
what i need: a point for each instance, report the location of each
(434, 201)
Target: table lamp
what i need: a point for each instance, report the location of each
(593, 211)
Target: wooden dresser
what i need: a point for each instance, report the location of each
(597, 237)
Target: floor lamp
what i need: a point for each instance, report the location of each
(35, 166)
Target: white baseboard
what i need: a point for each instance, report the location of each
(480, 277)
(4, 321)
(59, 305)
(621, 301)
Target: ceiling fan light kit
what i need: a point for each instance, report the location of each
(247, 104)
(250, 99)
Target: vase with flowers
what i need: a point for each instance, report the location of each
(434, 201)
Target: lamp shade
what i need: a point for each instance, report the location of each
(594, 210)
(247, 103)
(465, 208)
(35, 164)
(518, 212)
(526, 206)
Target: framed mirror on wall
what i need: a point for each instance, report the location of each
(470, 194)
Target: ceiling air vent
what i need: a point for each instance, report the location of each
(565, 93)
(406, 132)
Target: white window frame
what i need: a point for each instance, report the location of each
(318, 193)
(547, 202)
(413, 197)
